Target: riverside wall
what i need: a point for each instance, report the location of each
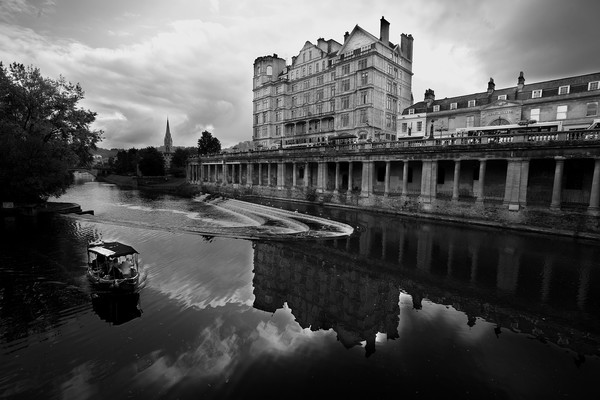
(543, 183)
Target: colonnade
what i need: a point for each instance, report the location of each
(366, 178)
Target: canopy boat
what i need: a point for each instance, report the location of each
(113, 266)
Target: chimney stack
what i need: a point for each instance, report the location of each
(346, 36)
(520, 82)
(429, 96)
(491, 86)
(384, 32)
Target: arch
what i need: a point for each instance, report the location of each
(269, 70)
(499, 121)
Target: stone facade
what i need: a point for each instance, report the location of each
(571, 102)
(354, 89)
(529, 181)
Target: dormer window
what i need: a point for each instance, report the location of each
(453, 106)
(502, 97)
(536, 94)
(436, 108)
(564, 89)
(411, 111)
(594, 85)
(471, 103)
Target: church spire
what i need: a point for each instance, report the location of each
(168, 139)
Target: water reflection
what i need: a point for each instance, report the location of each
(352, 285)
(116, 308)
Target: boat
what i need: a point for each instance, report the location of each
(113, 266)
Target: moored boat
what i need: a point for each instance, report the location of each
(113, 266)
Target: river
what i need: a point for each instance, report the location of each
(240, 301)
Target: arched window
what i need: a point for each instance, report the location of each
(269, 70)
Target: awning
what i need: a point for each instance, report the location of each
(112, 249)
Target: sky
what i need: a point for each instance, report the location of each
(191, 61)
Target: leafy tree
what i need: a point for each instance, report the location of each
(180, 157)
(126, 161)
(42, 134)
(179, 160)
(152, 162)
(207, 144)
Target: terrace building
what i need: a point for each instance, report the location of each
(333, 90)
(569, 103)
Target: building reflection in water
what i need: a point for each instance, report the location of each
(352, 285)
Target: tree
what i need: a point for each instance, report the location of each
(152, 162)
(126, 161)
(179, 160)
(42, 134)
(207, 144)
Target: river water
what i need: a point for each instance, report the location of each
(240, 301)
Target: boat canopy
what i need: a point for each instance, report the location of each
(112, 249)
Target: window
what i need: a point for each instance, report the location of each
(303, 71)
(534, 114)
(453, 106)
(278, 116)
(310, 69)
(333, 76)
(364, 78)
(419, 126)
(561, 112)
(470, 121)
(278, 130)
(345, 69)
(436, 108)
(317, 67)
(388, 120)
(411, 111)
(319, 94)
(293, 101)
(294, 88)
(363, 97)
(471, 103)
(279, 102)
(390, 69)
(269, 70)
(345, 102)
(502, 97)
(389, 86)
(345, 120)
(535, 94)
(345, 85)
(362, 64)
(306, 98)
(592, 109)
(563, 89)
(395, 88)
(404, 127)
(320, 80)
(306, 84)
(363, 116)
(389, 103)
(593, 85)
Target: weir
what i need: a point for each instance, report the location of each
(546, 181)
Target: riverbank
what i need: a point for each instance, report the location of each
(171, 185)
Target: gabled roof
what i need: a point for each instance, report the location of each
(358, 31)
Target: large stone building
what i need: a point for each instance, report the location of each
(357, 88)
(570, 103)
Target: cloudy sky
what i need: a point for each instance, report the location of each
(141, 61)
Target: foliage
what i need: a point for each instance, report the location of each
(207, 144)
(42, 133)
(126, 162)
(151, 162)
(179, 160)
